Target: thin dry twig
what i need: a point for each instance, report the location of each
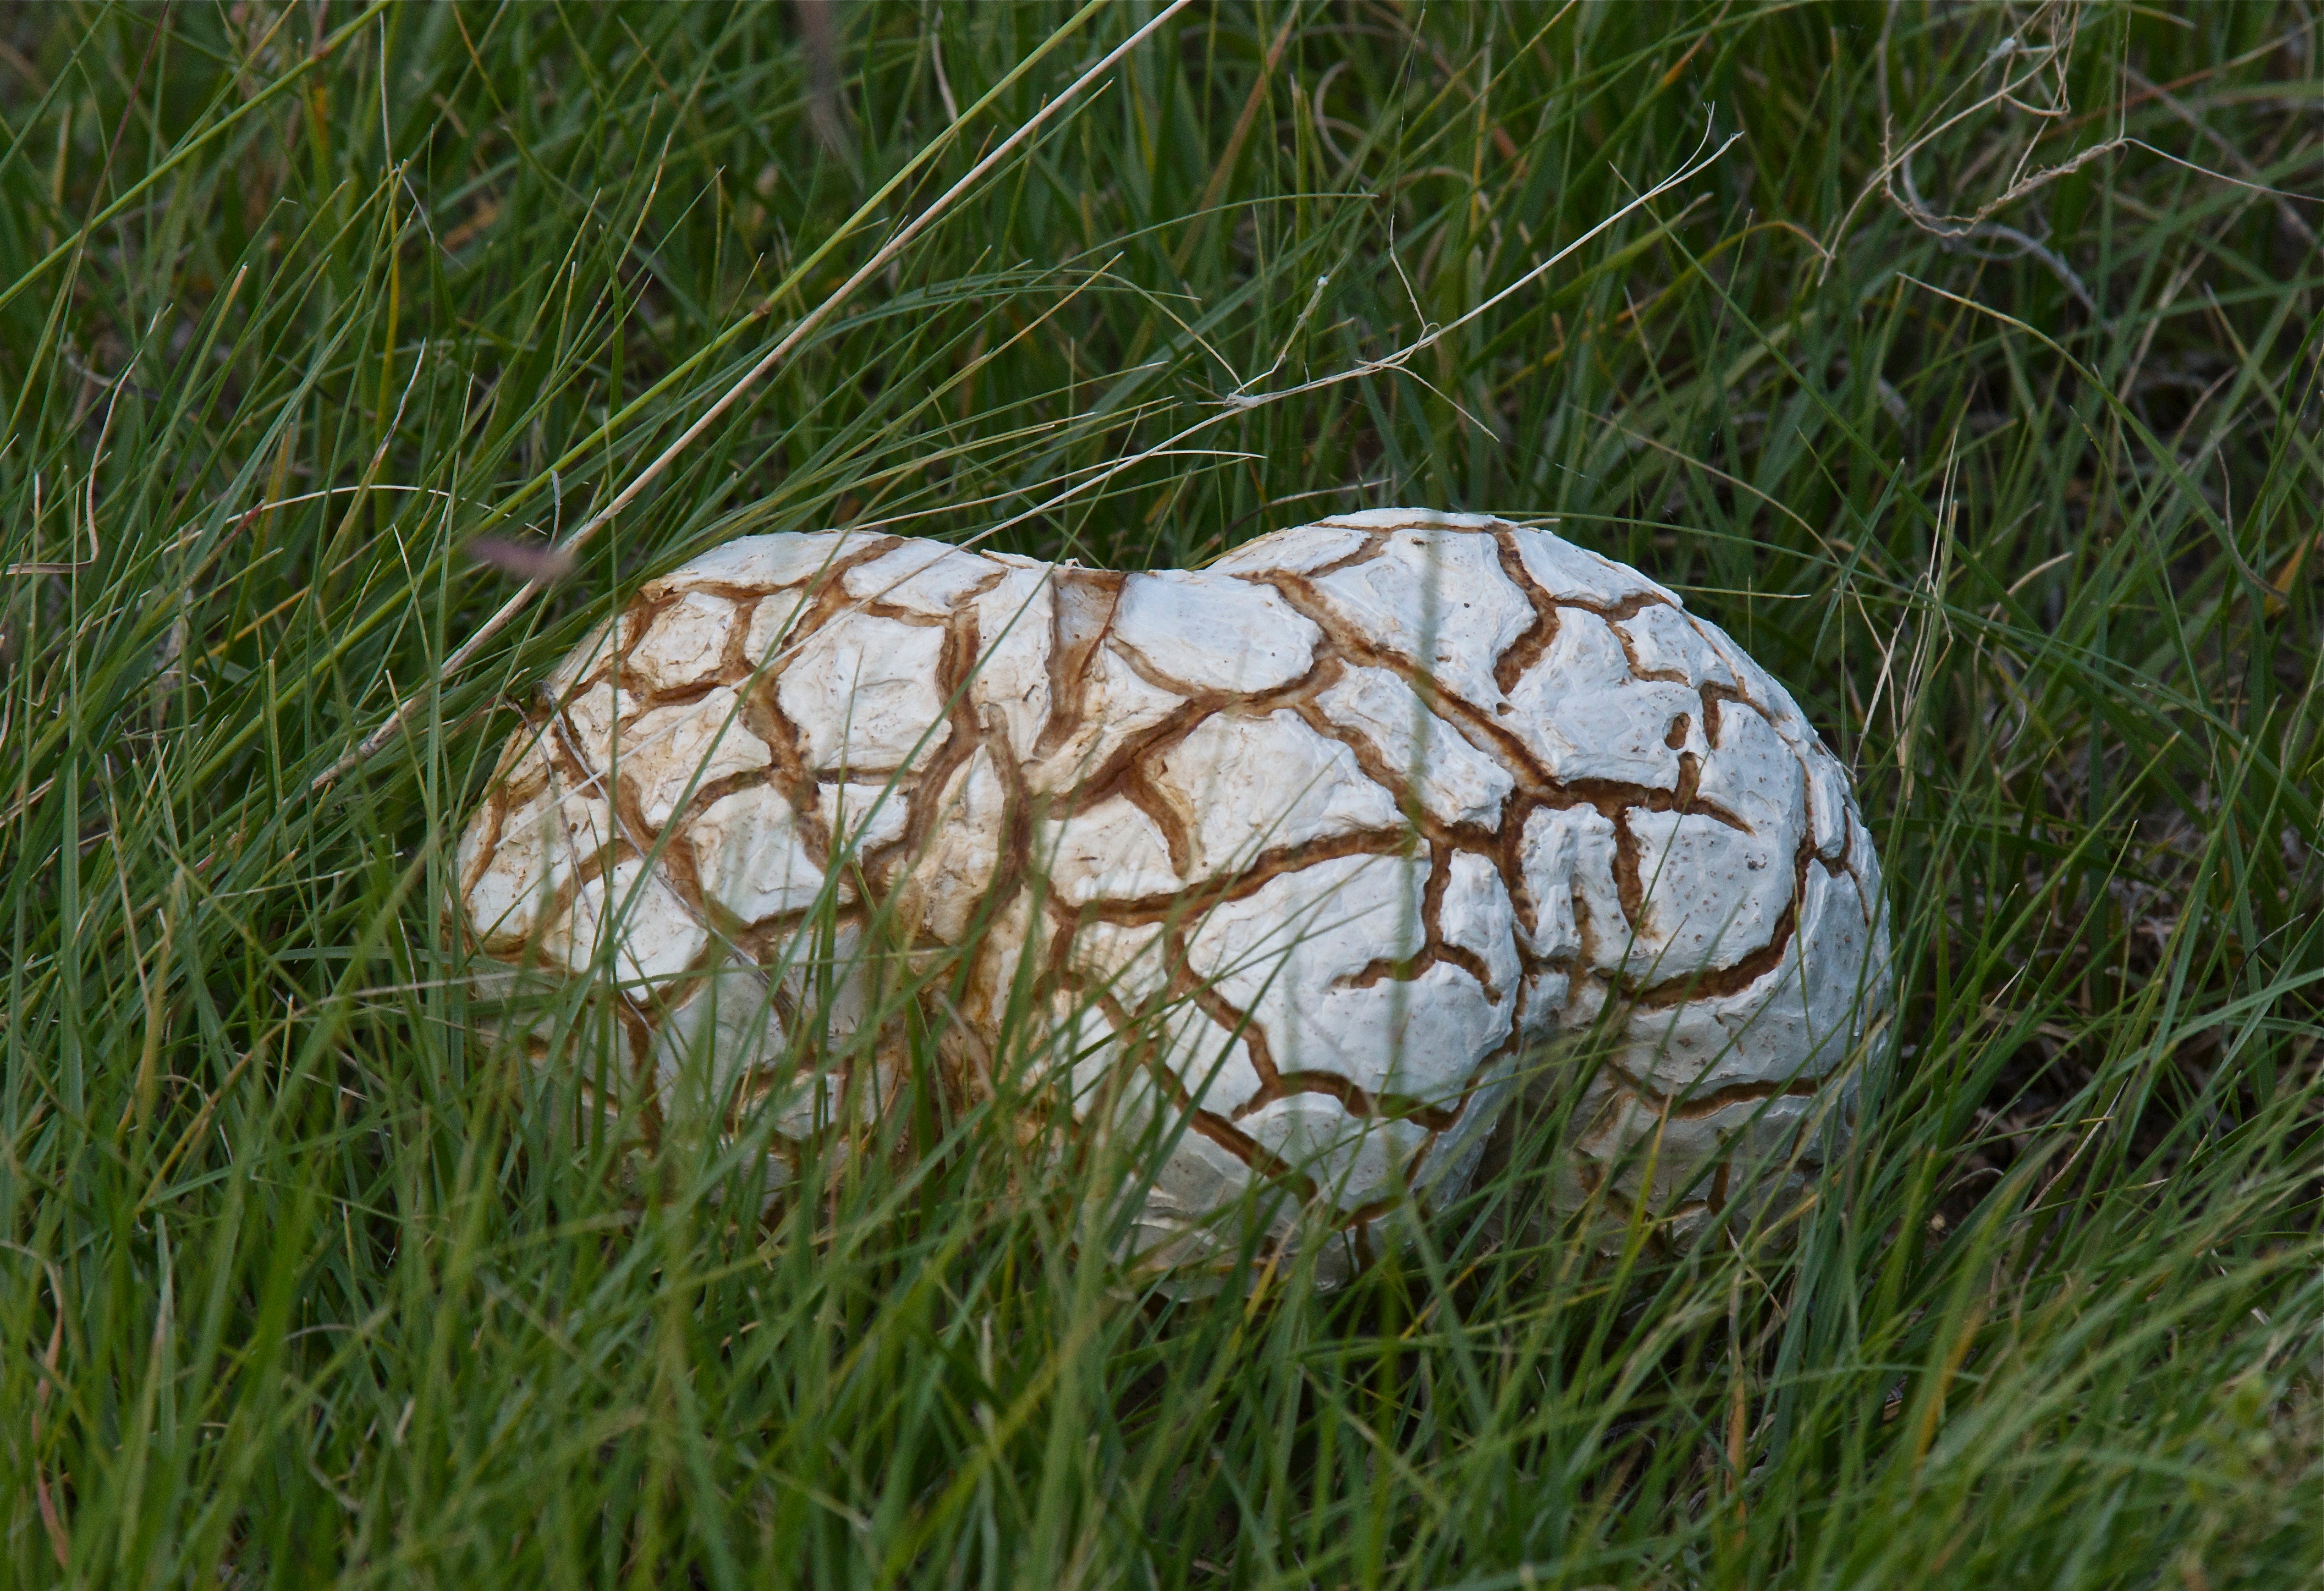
(800, 330)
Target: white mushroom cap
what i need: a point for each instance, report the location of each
(1309, 855)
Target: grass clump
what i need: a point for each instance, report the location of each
(1974, 389)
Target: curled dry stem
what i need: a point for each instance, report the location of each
(1895, 176)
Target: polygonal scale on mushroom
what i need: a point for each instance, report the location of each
(1303, 858)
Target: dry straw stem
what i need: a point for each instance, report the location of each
(800, 330)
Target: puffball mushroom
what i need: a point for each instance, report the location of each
(1297, 863)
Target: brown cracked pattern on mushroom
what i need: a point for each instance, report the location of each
(1308, 851)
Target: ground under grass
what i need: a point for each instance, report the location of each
(1974, 386)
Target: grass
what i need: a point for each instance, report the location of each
(2003, 455)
